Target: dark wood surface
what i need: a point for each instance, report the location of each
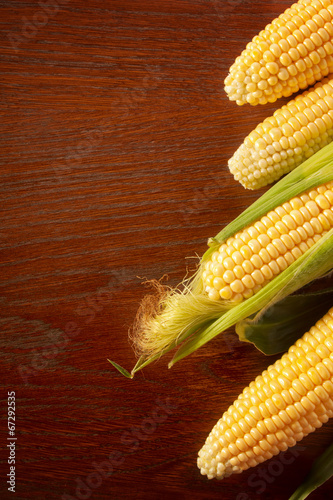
(115, 137)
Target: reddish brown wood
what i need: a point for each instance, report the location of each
(115, 137)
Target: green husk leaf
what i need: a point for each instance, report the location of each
(277, 328)
(321, 471)
(120, 369)
(185, 315)
(313, 264)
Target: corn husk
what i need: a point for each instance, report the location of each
(275, 329)
(321, 471)
(185, 317)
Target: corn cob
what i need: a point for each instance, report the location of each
(291, 399)
(283, 141)
(191, 314)
(291, 53)
(247, 261)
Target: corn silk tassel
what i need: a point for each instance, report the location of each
(223, 292)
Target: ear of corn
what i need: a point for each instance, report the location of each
(193, 318)
(291, 399)
(291, 53)
(186, 316)
(283, 141)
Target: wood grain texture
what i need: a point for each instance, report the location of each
(115, 137)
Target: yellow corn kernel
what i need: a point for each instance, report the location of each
(256, 257)
(278, 421)
(277, 64)
(257, 163)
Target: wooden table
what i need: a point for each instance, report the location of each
(116, 133)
